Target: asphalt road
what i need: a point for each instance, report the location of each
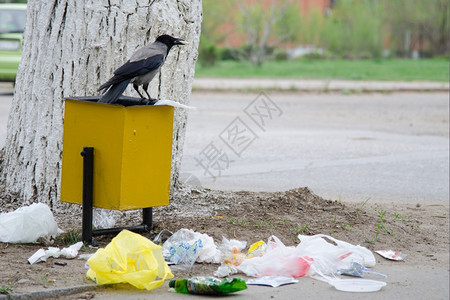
(386, 147)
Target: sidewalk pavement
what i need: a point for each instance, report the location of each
(307, 85)
(314, 85)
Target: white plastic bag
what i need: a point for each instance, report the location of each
(318, 246)
(313, 256)
(27, 224)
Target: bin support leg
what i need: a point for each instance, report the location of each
(88, 192)
(88, 184)
(147, 217)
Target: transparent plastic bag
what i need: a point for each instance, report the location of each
(186, 246)
(231, 251)
(129, 258)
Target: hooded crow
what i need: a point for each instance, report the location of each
(140, 69)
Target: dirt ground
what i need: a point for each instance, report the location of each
(420, 231)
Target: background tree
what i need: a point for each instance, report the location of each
(354, 29)
(264, 25)
(71, 47)
(214, 30)
(421, 25)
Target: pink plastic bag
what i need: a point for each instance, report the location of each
(278, 261)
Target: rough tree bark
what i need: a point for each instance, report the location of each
(70, 48)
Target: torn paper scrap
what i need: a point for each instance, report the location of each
(173, 103)
(42, 255)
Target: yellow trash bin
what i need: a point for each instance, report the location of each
(132, 153)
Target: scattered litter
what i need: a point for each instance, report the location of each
(42, 255)
(27, 224)
(391, 254)
(207, 285)
(273, 281)
(62, 264)
(357, 285)
(357, 270)
(129, 258)
(186, 246)
(272, 263)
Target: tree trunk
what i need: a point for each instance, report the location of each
(71, 47)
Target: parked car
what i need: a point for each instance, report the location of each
(12, 24)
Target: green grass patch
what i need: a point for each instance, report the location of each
(384, 69)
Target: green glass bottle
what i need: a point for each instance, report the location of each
(207, 285)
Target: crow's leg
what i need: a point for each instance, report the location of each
(136, 87)
(145, 87)
(150, 100)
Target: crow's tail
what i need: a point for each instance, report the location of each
(114, 92)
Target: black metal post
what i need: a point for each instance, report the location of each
(88, 192)
(88, 184)
(147, 217)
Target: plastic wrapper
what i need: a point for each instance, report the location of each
(186, 246)
(129, 258)
(257, 249)
(27, 224)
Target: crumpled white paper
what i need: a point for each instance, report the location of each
(173, 103)
(42, 255)
(27, 224)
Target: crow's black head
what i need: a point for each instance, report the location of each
(170, 41)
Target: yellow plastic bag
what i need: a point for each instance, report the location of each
(129, 258)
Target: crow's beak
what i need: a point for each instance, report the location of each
(181, 42)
